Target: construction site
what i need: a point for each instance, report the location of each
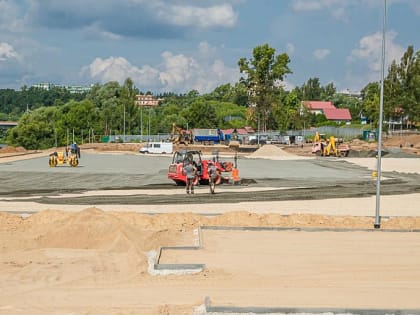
(116, 234)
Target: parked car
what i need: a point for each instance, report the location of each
(157, 147)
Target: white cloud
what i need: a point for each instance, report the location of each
(337, 8)
(132, 18)
(9, 17)
(183, 73)
(206, 51)
(316, 5)
(119, 69)
(370, 50)
(364, 62)
(321, 53)
(8, 52)
(214, 16)
(94, 31)
(177, 73)
(288, 86)
(290, 48)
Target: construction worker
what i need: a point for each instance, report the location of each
(190, 172)
(75, 149)
(213, 174)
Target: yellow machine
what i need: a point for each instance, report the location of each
(180, 136)
(322, 147)
(330, 146)
(61, 158)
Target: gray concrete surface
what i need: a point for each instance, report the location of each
(317, 179)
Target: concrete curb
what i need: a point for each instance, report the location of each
(303, 229)
(303, 310)
(166, 269)
(156, 268)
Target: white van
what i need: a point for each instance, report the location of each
(157, 147)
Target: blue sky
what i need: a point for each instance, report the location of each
(180, 45)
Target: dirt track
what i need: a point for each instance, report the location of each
(95, 262)
(288, 179)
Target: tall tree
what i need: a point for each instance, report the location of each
(370, 96)
(311, 90)
(264, 71)
(200, 114)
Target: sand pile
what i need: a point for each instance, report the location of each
(271, 151)
(9, 149)
(95, 229)
(135, 233)
(404, 140)
(117, 231)
(122, 147)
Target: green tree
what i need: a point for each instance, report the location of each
(263, 73)
(328, 91)
(370, 96)
(128, 96)
(200, 114)
(311, 90)
(288, 113)
(35, 129)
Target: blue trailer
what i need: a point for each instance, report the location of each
(209, 136)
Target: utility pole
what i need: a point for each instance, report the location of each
(258, 131)
(377, 224)
(141, 122)
(148, 129)
(124, 125)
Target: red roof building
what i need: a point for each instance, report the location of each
(146, 100)
(329, 110)
(338, 114)
(317, 107)
(239, 131)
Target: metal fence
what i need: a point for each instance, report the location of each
(270, 134)
(137, 138)
(338, 132)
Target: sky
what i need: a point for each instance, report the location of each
(180, 45)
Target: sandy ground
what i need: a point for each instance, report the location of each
(94, 261)
(309, 269)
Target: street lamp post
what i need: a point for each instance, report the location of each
(124, 125)
(258, 131)
(377, 223)
(141, 122)
(148, 129)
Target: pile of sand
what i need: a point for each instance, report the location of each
(117, 231)
(10, 149)
(404, 141)
(129, 233)
(104, 147)
(105, 253)
(271, 150)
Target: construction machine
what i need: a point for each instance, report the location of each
(227, 170)
(180, 136)
(324, 147)
(63, 158)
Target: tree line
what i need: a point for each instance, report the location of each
(257, 99)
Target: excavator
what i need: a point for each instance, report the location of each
(181, 136)
(324, 147)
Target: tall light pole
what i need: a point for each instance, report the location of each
(258, 131)
(377, 224)
(141, 122)
(148, 129)
(124, 125)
